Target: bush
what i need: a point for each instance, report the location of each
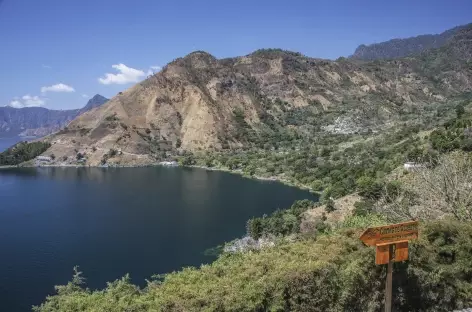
(281, 222)
(363, 207)
(329, 205)
(22, 152)
(369, 187)
(333, 272)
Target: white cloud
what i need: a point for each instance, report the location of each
(153, 69)
(27, 101)
(46, 66)
(16, 104)
(60, 87)
(85, 96)
(126, 75)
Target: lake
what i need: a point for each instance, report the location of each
(7, 142)
(113, 221)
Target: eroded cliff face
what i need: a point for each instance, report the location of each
(201, 103)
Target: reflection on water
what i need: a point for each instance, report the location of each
(113, 221)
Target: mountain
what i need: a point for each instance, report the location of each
(261, 100)
(39, 121)
(96, 101)
(397, 48)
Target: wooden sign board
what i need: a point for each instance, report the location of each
(391, 243)
(400, 253)
(390, 234)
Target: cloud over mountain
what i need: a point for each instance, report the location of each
(60, 87)
(27, 101)
(125, 75)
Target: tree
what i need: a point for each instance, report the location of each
(188, 160)
(369, 187)
(329, 206)
(442, 188)
(22, 152)
(460, 110)
(255, 228)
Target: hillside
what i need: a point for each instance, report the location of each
(333, 272)
(397, 48)
(265, 100)
(343, 128)
(40, 121)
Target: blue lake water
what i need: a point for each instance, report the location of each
(113, 221)
(7, 142)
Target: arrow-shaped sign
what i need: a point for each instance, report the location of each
(390, 233)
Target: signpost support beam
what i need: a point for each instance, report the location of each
(385, 238)
(388, 283)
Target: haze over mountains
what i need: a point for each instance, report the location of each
(396, 48)
(40, 121)
(200, 103)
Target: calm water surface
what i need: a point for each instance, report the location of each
(110, 222)
(7, 142)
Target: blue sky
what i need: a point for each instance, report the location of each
(55, 51)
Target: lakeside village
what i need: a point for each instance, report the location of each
(46, 161)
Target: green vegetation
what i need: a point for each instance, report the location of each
(340, 143)
(324, 266)
(339, 164)
(22, 152)
(281, 222)
(331, 272)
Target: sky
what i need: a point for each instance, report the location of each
(58, 54)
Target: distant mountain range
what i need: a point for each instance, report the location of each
(39, 121)
(397, 48)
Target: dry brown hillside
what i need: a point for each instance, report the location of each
(201, 103)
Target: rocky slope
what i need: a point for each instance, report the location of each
(39, 121)
(201, 103)
(397, 48)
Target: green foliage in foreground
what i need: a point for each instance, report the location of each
(22, 152)
(334, 272)
(281, 222)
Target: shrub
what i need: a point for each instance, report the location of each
(332, 272)
(22, 152)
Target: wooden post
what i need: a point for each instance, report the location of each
(388, 283)
(385, 238)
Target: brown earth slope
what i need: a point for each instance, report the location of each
(201, 103)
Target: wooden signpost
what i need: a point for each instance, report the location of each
(391, 243)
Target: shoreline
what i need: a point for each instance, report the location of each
(256, 177)
(237, 172)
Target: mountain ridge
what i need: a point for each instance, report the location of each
(40, 121)
(403, 47)
(200, 103)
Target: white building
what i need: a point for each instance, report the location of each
(44, 158)
(412, 166)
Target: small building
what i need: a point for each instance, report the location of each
(44, 158)
(168, 163)
(412, 166)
